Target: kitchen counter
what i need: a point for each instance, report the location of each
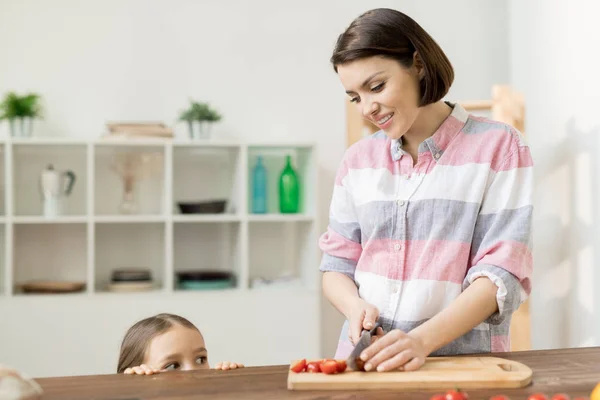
(572, 371)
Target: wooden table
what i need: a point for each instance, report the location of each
(572, 371)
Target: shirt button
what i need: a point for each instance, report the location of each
(397, 246)
(437, 155)
(400, 202)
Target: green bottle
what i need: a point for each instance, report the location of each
(289, 189)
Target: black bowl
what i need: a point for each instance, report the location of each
(203, 207)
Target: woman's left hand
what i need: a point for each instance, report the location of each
(394, 350)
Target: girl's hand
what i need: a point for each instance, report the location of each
(395, 350)
(141, 370)
(362, 316)
(226, 365)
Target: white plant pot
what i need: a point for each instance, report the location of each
(200, 130)
(21, 127)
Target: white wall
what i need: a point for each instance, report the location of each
(555, 63)
(263, 64)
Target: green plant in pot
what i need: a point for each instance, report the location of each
(20, 111)
(200, 118)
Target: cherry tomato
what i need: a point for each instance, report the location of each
(537, 396)
(329, 367)
(561, 396)
(499, 397)
(299, 366)
(456, 395)
(438, 397)
(313, 367)
(341, 365)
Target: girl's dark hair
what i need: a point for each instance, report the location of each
(136, 340)
(389, 33)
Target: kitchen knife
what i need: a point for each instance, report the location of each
(353, 361)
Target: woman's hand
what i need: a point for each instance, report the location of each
(395, 350)
(362, 316)
(226, 365)
(141, 370)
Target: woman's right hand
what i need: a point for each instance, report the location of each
(363, 315)
(141, 370)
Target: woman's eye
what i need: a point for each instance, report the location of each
(378, 87)
(201, 360)
(354, 100)
(171, 367)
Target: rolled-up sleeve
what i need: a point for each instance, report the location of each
(341, 243)
(501, 248)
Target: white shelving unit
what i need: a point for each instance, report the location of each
(92, 238)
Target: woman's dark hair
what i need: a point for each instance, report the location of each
(138, 337)
(389, 33)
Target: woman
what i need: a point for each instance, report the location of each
(430, 217)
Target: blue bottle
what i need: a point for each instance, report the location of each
(259, 187)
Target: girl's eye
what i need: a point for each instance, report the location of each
(378, 87)
(354, 100)
(171, 367)
(201, 360)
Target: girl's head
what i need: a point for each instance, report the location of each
(164, 341)
(391, 67)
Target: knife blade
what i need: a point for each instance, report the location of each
(353, 361)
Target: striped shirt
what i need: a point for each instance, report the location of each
(414, 237)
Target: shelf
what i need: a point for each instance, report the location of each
(129, 246)
(192, 218)
(274, 159)
(125, 219)
(50, 252)
(28, 162)
(48, 141)
(35, 219)
(208, 247)
(280, 218)
(144, 163)
(93, 237)
(203, 174)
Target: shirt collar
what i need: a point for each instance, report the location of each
(437, 143)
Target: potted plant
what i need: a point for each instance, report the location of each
(200, 118)
(20, 111)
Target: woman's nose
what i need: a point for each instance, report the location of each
(369, 108)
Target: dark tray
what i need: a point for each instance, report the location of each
(204, 275)
(203, 207)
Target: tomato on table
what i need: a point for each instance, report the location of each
(299, 366)
(499, 397)
(561, 396)
(313, 367)
(341, 365)
(329, 367)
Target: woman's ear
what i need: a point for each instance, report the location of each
(418, 65)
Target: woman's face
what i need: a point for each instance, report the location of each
(385, 92)
(179, 348)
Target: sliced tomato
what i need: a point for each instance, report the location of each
(313, 366)
(299, 366)
(537, 396)
(341, 365)
(329, 367)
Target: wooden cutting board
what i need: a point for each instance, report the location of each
(443, 373)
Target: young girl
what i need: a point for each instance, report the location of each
(430, 218)
(165, 342)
